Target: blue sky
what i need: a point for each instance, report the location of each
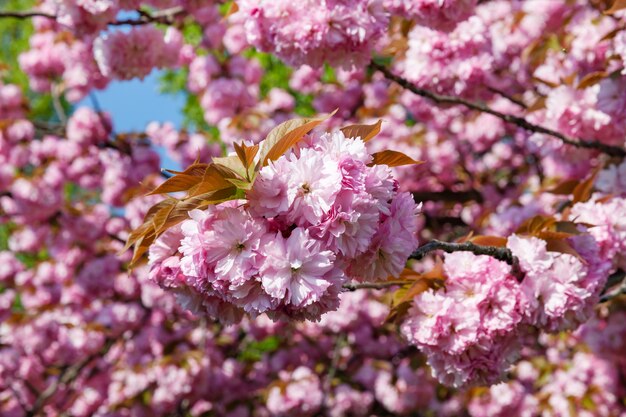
(135, 103)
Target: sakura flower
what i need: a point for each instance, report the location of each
(296, 270)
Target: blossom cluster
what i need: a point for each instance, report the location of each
(313, 219)
(334, 31)
(133, 54)
(473, 332)
(75, 320)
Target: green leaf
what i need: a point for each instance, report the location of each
(255, 350)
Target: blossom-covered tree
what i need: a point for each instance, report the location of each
(384, 207)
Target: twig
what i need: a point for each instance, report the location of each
(501, 254)
(56, 103)
(353, 286)
(25, 15)
(340, 341)
(165, 16)
(449, 195)
(615, 278)
(67, 375)
(516, 120)
(508, 97)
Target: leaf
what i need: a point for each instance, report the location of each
(582, 192)
(393, 159)
(285, 135)
(616, 6)
(563, 246)
(241, 184)
(535, 224)
(539, 104)
(212, 180)
(169, 213)
(180, 182)
(564, 188)
(416, 284)
(549, 234)
(234, 8)
(365, 132)
(160, 219)
(232, 163)
(246, 153)
(206, 199)
(568, 227)
(141, 247)
(467, 237)
(136, 234)
(612, 33)
(195, 169)
(591, 79)
(497, 241)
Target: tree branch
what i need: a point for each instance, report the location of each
(353, 286)
(67, 375)
(615, 278)
(501, 254)
(516, 120)
(165, 16)
(449, 195)
(25, 15)
(508, 97)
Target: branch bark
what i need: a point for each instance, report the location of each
(618, 277)
(165, 16)
(353, 286)
(501, 254)
(509, 118)
(25, 15)
(67, 375)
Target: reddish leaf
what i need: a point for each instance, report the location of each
(563, 246)
(246, 153)
(194, 169)
(141, 247)
(564, 188)
(568, 227)
(212, 180)
(496, 241)
(365, 132)
(549, 234)
(591, 79)
(616, 6)
(160, 219)
(393, 159)
(180, 182)
(285, 135)
(233, 164)
(539, 104)
(416, 284)
(583, 191)
(535, 224)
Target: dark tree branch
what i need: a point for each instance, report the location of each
(508, 97)
(501, 254)
(617, 290)
(165, 16)
(448, 195)
(353, 286)
(516, 120)
(68, 375)
(25, 15)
